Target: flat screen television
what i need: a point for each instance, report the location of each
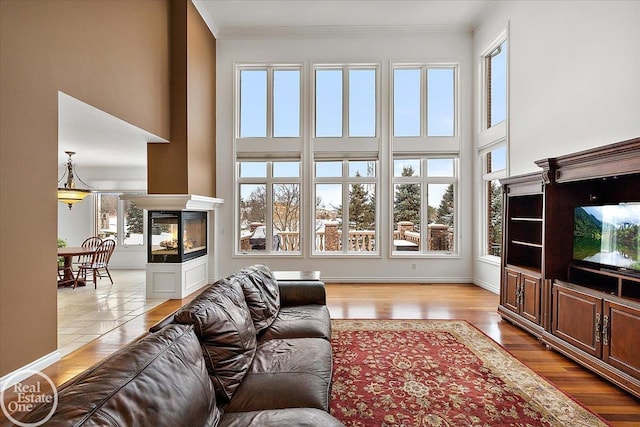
(608, 236)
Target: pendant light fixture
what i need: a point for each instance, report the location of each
(69, 194)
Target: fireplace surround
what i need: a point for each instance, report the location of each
(179, 236)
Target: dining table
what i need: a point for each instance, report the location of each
(68, 253)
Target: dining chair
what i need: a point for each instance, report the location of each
(89, 242)
(99, 263)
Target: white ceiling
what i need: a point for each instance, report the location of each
(228, 18)
(102, 140)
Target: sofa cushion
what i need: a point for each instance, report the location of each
(134, 384)
(291, 373)
(223, 324)
(261, 293)
(293, 417)
(303, 321)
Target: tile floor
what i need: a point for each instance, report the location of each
(86, 313)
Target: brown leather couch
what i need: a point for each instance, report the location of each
(248, 351)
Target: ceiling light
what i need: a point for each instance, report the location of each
(69, 194)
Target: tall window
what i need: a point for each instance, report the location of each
(120, 220)
(269, 102)
(424, 101)
(269, 207)
(493, 143)
(345, 101)
(424, 205)
(345, 208)
(496, 85)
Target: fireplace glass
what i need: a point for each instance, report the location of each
(177, 236)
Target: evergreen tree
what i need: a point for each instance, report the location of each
(361, 207)
(444, 213)
(407, 200)
(495, 218)
(135, 219)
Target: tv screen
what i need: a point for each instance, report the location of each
(608, 235)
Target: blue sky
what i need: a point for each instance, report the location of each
(408, 109)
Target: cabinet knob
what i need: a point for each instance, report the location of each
(597, 327)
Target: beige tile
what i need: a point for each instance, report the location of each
(85, 313)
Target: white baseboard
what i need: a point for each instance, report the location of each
(378, 279)
(26, 371)
(491, 287)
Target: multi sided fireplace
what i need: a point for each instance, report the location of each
(176, 236)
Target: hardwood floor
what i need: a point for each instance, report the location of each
(411, 301)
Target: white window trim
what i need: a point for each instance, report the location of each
(425, 181)
(268, 181)
(345, 180)
(485, 179)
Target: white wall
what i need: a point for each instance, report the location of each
(372, 48)
(574, 82)
(75, 225)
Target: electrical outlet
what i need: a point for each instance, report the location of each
(413, 266)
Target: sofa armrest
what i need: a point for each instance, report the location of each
(302, 292)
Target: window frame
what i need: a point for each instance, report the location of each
(283, 146)
(345, 143)
(425, 180)
(345, 180)
(268, 181)
(487, 177)
(424, 143)
(120, 219)
(490, 139)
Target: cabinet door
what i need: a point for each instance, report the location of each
(621, 337)
(510, 290)
(530, 308)
(577, 319)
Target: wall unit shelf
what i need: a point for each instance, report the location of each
(586, 311)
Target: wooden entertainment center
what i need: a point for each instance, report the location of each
(587, 312)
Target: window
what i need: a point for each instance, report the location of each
(493, 143)
(120, 220)
(269, 207)
(496, 85)
(345, 207)
(269, 102)
(350, 85)
(424, 101)
(424, 205)
(495, 166)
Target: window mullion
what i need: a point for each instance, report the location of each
(345, 102)
(270, 101)
(423, 101)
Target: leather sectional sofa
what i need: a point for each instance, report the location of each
(248, 351)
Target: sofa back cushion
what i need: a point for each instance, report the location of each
(222, 322)
(262, 294)
(160, 380)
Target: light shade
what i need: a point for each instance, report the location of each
(69, 194)
(72, 195)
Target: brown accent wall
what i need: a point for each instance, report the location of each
(201, 105)
(187, 165)
(111, 54)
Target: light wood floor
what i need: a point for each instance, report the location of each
(410, 301)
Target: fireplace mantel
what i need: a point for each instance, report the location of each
(173, 202)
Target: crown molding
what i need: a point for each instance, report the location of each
(336, 31)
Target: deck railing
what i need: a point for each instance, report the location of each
(330, 238)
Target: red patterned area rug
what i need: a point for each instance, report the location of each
(439, 373)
